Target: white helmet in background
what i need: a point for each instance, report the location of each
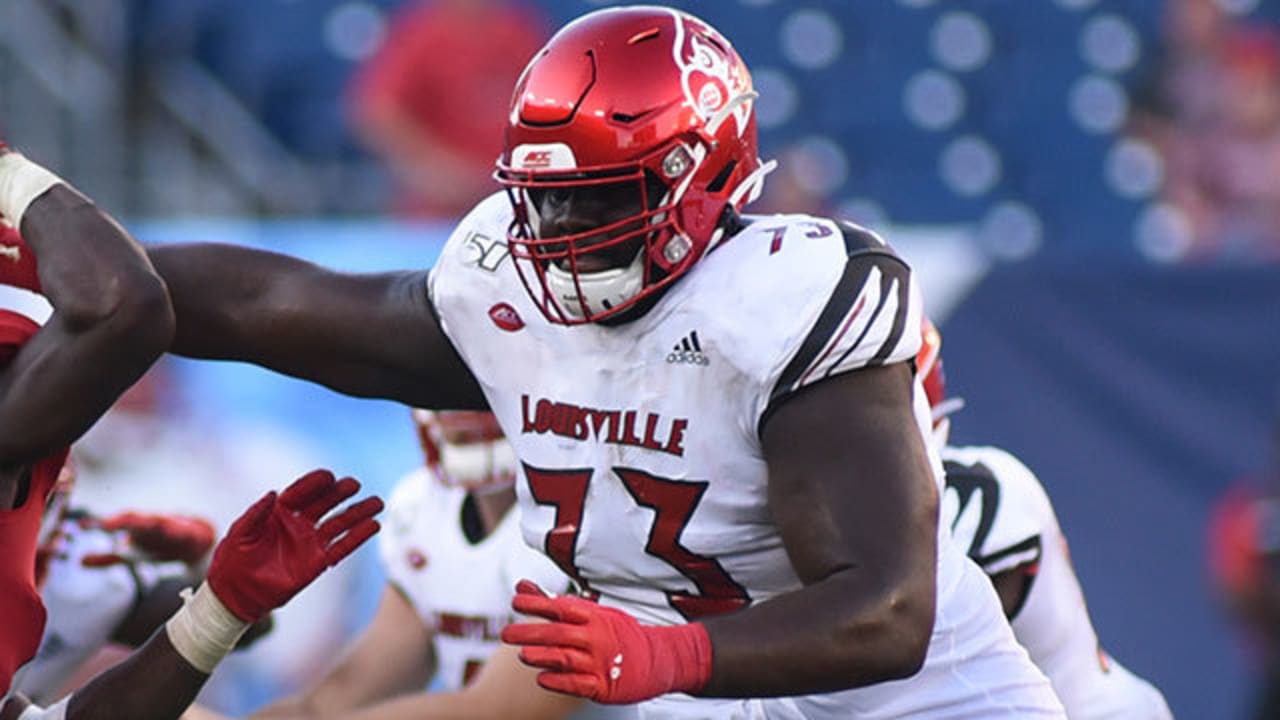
(465, 448)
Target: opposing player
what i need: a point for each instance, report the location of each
(65, 354)
(720, 437)
(1000, 513)
(109, 583)
(453, 554)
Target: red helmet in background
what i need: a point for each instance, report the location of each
(466, 449)
(646, 97)
(929, 370)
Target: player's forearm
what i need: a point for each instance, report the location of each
(93, 272)
(86, 370)
(155, 683)
(832, 635)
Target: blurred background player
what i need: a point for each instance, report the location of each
(107, 584)
(1001, 515)
(453, 553)
(66, 358)
(1244, 561)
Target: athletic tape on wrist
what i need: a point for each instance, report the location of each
(21, 182)
(203, 631)
(57, 711)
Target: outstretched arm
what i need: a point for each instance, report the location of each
(111, 317)
(371, 335)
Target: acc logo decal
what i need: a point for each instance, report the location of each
(537, 159)
(506, 317)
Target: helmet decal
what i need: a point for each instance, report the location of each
(709, 79)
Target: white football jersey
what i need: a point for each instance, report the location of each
(643, 476)
(461, 590)
(1001, 515)
(85, 606)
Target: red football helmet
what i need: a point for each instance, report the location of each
(647, 103)
(929, 370)
(466, 449)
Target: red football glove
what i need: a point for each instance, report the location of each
(160, 538)
(278, 546)
(604, 654)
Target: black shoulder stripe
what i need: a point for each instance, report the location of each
(858, 238)
(897, 272)
(864, 251)
(875, 315)
(1031, 544)
(967, 481)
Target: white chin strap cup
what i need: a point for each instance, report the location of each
(601, 291)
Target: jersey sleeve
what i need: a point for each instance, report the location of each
(997, 508)
(473, 272)
(862, 308)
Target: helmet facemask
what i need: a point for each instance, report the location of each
(600, 272)
(466, 449)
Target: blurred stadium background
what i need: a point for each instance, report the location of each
(1005, 145)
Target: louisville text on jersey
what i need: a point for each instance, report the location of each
(618, 427)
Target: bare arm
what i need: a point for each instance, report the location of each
(505, 688)
(111, 320)
(393, 656)
(154, 682)
(856, 503)
(372, 335)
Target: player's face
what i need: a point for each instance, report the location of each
(581, 209)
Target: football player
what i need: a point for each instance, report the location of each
(719, 433)
(1000, 513)
(109, 581)
(453, 554)
(74, 333)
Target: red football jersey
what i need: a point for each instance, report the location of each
(22, 312)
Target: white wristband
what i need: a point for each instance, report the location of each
(57, 711)
(21, 182)
(203, 631)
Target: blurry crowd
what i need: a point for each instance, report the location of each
(1212, 109)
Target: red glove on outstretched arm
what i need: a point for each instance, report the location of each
(158, 537)
(605, 654)
(278, 546)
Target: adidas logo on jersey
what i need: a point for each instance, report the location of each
(689, 351)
